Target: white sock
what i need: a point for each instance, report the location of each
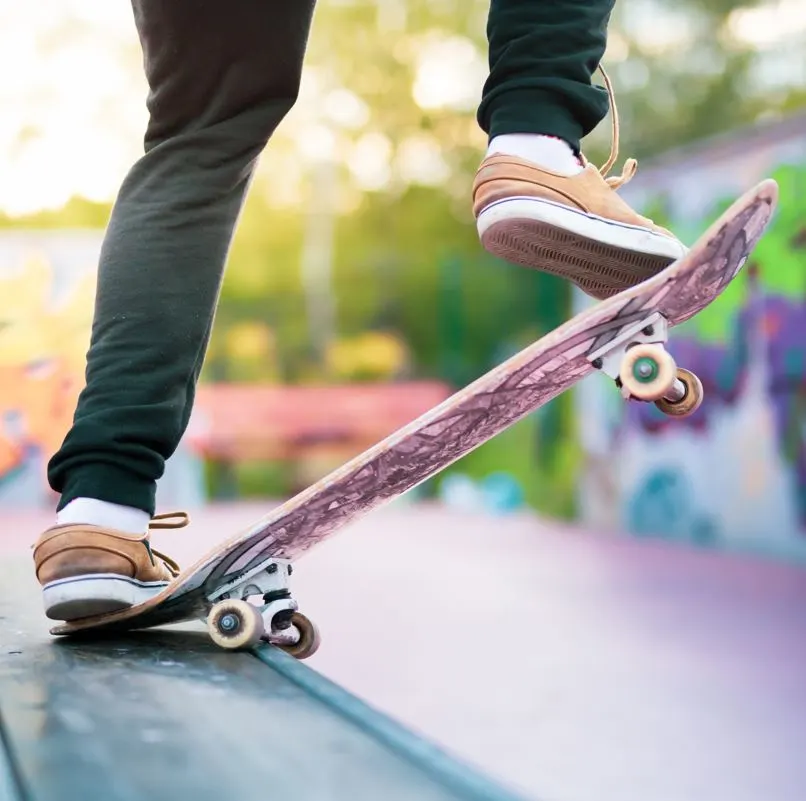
(91, 512)
(545, 151)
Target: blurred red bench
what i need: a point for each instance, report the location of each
(234, 422)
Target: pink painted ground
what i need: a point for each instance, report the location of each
(574, 667)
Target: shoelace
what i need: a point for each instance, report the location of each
(631, 165)
(164, 521)
(169, 520)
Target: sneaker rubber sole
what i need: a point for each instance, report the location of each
(82, 596)
(602, 257)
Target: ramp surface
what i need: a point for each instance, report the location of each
(162, 715)
(571, 666)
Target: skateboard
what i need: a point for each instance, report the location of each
(241, 588)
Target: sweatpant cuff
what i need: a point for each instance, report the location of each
(108, 482)
(534, 111)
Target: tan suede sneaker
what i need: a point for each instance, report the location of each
(88, 570)
(574, 226)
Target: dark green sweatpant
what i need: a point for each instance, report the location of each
(222, 75)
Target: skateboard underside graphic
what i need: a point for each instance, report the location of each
(242, 588)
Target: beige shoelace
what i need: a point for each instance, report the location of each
(631, 165)
(164, 521)
(169, 520)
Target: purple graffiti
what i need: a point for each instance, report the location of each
(767, 327)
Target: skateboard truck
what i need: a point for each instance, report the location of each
(644, 370)
(235, 622)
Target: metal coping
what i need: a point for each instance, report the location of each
(420, 753)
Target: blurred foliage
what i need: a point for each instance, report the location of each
(369, 356)
(412, 292)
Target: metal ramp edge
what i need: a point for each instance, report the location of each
(422, 754)
(165, 714)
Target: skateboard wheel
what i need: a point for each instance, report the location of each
(690, 402)
(647, 372)
(309, 639)
(235, 624)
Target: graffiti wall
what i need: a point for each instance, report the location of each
(47, 283)
(734, 473)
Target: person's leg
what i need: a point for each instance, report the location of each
(536, 199)
(542, 59)
(221, 75)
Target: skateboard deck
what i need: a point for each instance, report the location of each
(621, 336)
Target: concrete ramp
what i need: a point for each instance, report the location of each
(568, 665)
(165, 715)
